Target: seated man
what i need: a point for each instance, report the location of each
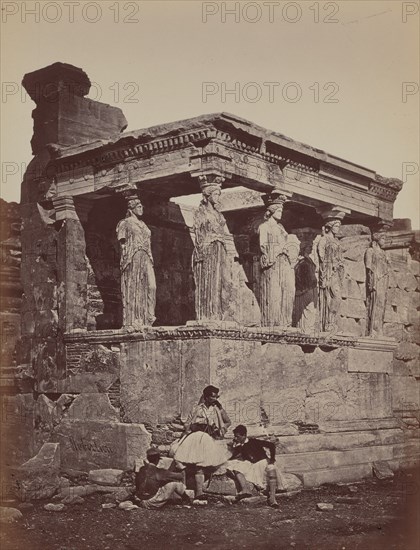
(156, 486)
(254, 465)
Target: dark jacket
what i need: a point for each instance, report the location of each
(150, 478)
(254, 450)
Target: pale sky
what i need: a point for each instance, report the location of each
(348, 86)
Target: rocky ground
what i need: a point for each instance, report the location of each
(365, 516)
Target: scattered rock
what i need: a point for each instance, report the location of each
(25, 506)
(108, 476)
(75, 499)
(381, 470)
(54, 507)
(348, 500)
(107, 505)
(200, 502)
(127, 505)
(353, 489)
(324, 507)
(8, 515)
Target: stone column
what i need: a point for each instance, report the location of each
(138, 282)
(71, 265)
(378, 269)
(279, 254)
(210, 257)
(330, 270)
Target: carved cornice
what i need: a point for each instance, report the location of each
(385, 188)
(263, 335)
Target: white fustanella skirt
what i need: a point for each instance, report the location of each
(201, 449)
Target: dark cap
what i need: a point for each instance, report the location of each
(152, 452)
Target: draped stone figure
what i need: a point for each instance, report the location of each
(210, 254)
(306, 297)
(138, 283)
(377, 280)
(330, 276)
(279, 253)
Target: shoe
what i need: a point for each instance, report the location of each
(241, 496)
(273, 505)
(201, 497)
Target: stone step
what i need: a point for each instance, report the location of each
(301, 462)
(338, 441)
(407, 449)
(358, 425)
(345, 474)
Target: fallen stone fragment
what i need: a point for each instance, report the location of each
(73, 500)
(381, 470)
(200, 502)
(8, 515)
(39, 477)
(348, 500)
(107, 476)
(291, 482)
(107, 505)
(127, 505)
(353, 489)
(324, 507)
(54, 507)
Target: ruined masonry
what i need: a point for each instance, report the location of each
(290, 287)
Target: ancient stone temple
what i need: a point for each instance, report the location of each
(289, 286)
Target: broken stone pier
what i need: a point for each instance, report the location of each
(76, 373)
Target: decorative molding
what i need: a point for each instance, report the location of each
(376, 344)
(257, 334)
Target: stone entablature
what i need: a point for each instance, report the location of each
(242, 152)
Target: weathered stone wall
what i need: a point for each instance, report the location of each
(269, 383)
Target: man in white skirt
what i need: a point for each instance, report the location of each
(250, 462)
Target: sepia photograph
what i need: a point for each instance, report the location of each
(210, 275)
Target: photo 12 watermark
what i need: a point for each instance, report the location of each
(49, 92)
(270, 12)
(71, 12)
(269, 92)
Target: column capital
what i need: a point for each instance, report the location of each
(64, 208)
(205, 178)
(330, 213)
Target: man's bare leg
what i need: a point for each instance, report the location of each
(271, 485)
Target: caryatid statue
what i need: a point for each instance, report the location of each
(138, 283)
(279, 254)
(330, 274)
(377, 279)
(210, 254)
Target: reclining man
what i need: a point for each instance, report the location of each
(156, 486)
(254, 465)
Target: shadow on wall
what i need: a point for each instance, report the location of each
(102, 252)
